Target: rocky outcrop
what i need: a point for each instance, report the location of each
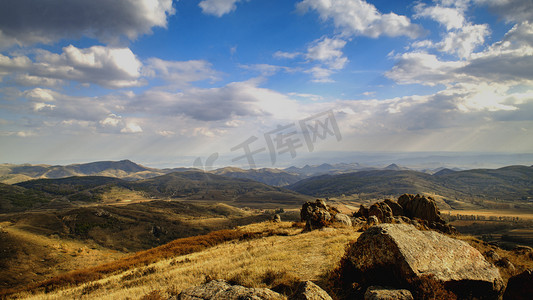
(520, 286)
(318, 214)
(420, 207)
(382, 211)
(220, 289)
(384, 293)
(410, 209)
(397, 254)
(309, 291)
(397, 209)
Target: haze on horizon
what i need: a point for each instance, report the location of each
(162, 81)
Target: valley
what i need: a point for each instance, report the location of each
(51, 227)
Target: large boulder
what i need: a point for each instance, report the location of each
(520, 286)
(316, 214)
(220, 289)
(420, 207)
(309, 291)
(399, 254)
(342, 219)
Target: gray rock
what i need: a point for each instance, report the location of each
(394, 254)
(372, 220)
(384, 293)
(420, 207)
(221, 290)
(277, 218)
(309, 291)
(343, 219)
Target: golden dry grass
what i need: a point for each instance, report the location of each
(522, 214)
(38, 256)
(286, 255)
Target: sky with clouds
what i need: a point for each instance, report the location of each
(162, 81)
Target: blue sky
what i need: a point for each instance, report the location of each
(163, 82)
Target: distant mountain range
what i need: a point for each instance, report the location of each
(131, 171)
(513, 183)
(259, 187)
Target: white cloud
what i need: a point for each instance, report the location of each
(180, 73)
(464, 41)
(289, 55)
(237, 99)
(22, 22)
(423, 68)
(131, 128)
(357, 17)
(462, 37)
(452, 18)
(106, 66)
(320, 74)
(218, 7)
(328, 51)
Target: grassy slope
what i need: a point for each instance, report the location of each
(273, 255)
(34, 240)
(283, 256)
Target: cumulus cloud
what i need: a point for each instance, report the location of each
(55, 105)
(218, 7)
(464, 41)
(328, 51)
(451, 18)
(423, 68)
(237, 99)
(462, 37)
(358, 17)
(26, 22)
(106, 66)
(511, 10)
(508, 60)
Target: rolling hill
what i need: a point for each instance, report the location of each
(273, 177)
(513, 183)
(121, 169)
(190, 185)
(211, 187)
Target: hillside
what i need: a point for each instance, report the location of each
(36, 245)
(265, 254)
(16, 198)
(121, 169)
(210, 187)
(273, 177)
(190, 185)
(271, 255)
(483, 186)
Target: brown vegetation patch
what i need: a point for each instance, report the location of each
(175, 248)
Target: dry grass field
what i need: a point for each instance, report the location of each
(266, 254)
